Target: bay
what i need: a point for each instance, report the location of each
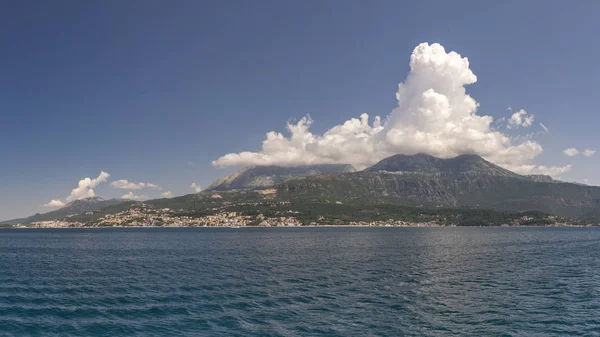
(300, 282)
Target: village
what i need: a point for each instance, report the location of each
(148, 217)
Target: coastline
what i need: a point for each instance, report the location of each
(305, 226)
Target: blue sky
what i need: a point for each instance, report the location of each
(154, 91)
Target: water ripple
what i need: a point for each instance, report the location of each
(300, 282)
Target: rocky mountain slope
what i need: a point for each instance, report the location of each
(253, 177)
(463, 181)
(542, 178)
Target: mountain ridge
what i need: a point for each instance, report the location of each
(72, 208)
(424, 163)
(466, 181)
(463, 181)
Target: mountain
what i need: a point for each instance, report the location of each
(256, 177)
(426, 164)
(406, 184)
(87, 205)
(72, 208)
(464, 181)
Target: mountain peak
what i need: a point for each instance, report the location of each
(469, 157)
(424, 163)
(407, 163)
(84, 201)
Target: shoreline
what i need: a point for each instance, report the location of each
(307, 226)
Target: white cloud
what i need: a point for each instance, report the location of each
(128, 185)
(124, 184)
(196, 188)
(553, 171)
(588, 152)
(54, 204)
(544, 127)
(166, 194)
(520, 119)
(571, 152)
(131, 196)
(85, 189)
(434, 115)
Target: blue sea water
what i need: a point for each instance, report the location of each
(300, 282)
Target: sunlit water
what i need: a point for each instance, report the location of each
(301, 282)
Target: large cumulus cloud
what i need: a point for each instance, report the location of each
(434, 115)
(84, 189)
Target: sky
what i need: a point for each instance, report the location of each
(143, 99)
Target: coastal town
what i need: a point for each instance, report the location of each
(166, 217)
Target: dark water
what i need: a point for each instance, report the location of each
(300, 282)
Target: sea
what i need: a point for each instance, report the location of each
(483, 281)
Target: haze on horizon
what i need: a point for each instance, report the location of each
(150, 100)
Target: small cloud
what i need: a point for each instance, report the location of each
(544, 127)
(553, 171)
(124, 184)
(128, 185)
(196, 188)
(166, 194)
(131, 196)
(499, 122)
(588, 152)
(571, 152)
(520, 119)
(54, 204)
(509, 108)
